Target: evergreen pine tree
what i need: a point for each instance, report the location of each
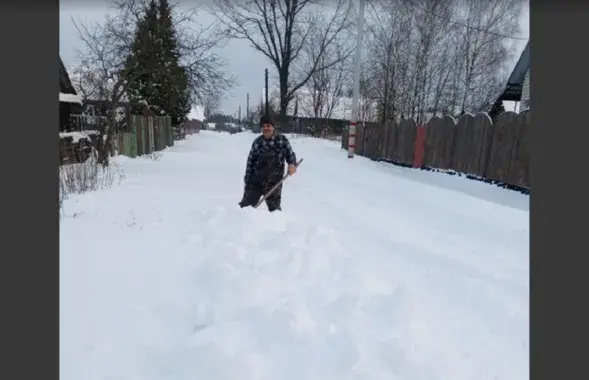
(156, 75)
(175, 98)
(143, 63)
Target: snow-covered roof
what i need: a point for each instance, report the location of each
(196, 113)
(70, 98)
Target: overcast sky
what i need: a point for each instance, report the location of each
(244, 62)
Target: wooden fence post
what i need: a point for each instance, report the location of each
(419, 149)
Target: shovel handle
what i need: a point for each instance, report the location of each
(273, 189)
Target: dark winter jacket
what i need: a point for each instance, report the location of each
(265, 163)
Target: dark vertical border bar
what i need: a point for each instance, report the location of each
(559, 102)
(29, 200)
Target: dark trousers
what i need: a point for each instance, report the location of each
(253, 193)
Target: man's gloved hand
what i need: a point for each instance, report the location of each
(292, 169)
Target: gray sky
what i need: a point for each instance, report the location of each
(243, 61)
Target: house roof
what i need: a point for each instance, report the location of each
(65, 84)
(69, 98)
(513, 90)
(515, 83)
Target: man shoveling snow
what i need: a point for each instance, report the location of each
(265, 167)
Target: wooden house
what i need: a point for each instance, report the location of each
(69, 101)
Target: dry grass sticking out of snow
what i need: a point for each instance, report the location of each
(87, 176)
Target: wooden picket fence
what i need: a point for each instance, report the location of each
(472, 145)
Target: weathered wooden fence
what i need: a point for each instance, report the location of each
(472, 145)
(135, 136)
(147, 134)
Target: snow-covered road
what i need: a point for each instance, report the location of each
(371, 272)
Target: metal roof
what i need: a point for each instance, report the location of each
(513, 90)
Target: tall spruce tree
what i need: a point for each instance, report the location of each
(175, 83)
(156, 75)
(142, 65)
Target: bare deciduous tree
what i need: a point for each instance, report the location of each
(387, 41)
(482, 48)
(428, 57)
(100, 74)
(210, 104)
(281, 29)
(107, 48)
(367, 98)
(324, 90)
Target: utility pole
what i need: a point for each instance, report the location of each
(247, 110)
(266, 89)
(356, 89)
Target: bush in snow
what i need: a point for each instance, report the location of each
(87, 176)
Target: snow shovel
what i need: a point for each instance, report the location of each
(273, 189)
